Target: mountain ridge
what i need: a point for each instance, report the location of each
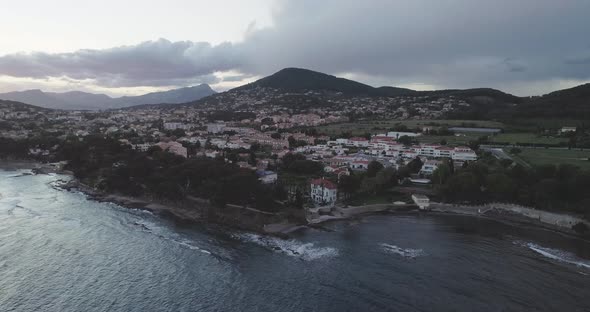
(92, 101)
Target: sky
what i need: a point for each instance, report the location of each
(525, 47)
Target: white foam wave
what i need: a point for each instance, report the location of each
(406, 253)
(190, 246)
(558, 255)
(158, 231)
(21, 174)
(290, 247)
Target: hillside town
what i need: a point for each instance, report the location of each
(258, 143)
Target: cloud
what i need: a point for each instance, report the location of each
(455, 43)
(450, 44)
(152, 63)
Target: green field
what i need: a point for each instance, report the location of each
(533, 124)
(526, 137)
(555, 156)
(381, 126)
(450, 139)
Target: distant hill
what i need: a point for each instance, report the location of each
(568, 103)
(91, 101)
(18, 106)
(175, 96)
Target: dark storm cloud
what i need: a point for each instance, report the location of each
(452, 43)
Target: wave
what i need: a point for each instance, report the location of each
(558, 255)
(182, 242)
(289, 247)
(406, 253)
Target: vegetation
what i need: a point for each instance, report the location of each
(542, 156)
(551, 187)
(112, 167)
(362, 127)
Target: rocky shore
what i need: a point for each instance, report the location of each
(515, 214)
(199, 210)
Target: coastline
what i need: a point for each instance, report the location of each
(503, 213)
(196, 210)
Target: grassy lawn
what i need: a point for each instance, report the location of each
(451, 139)
(526, 137)
(382, 126)
(531, 124)
(552, 156)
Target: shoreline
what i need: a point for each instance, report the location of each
(283, 228)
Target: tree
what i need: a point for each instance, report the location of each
(441, 174)
(373, 168)
(500, 187)
(349, 184)
(179, 133)
(515, 151)
(415, 165)
(368, 186)
(462, 186)
(298, 199)
(405, 140)
(385, 179)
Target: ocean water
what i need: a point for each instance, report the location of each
(60, 251)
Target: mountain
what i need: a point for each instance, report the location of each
(298, 79)
(91, 101)
(175, 96)
(302, 89)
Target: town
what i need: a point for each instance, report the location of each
(258, 142)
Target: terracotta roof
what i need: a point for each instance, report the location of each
(325, 183)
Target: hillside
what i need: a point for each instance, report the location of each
(298, 79)
(91, 101)
(302, 89)
(568, 103)
(14, 106)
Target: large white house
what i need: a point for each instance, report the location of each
(422, 201)
(430, 166)
(267, 177)
(463, 154)
(323, 192)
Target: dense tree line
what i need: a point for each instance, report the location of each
(560, 187)
(112, 167)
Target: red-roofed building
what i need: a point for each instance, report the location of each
(324, 192)
(358, 142)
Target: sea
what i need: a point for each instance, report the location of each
(61, 251)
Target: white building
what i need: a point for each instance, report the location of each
(323, 192)
(422, 201)
(176, 125)
(398, 134)
(567, 129)
(216, 127)
(143, 147)
(430, 166)
(267, 177)
(463, 154)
